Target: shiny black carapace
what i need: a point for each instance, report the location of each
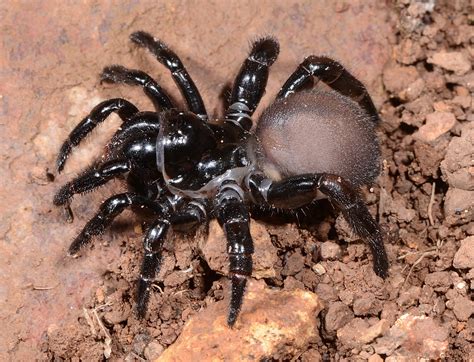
(308, 144)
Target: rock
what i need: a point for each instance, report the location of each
(214, 249)
(412, 335)
(311, 355)
(272, 324)
(338, 316)
(153, 350)
(409, 297)
(463, 308)
(294, 264)
(458, 164)
(464, 257)
(358, 332)
(408, 51)
(459, 202)
(413, 91)
(375, 358)
(367, 305)
(439, 281)
(437, 124)
(453, 61)
(330, 251)
(397, 78)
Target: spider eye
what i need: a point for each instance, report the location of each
(183, 139)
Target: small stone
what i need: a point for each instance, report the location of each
(397, 78)
(271, 322)
(463, 308)
(153, 350)
(375, 358)
(409, 297)
(358, 332)
(415, 335)
(439, 281)
(337, 316)
(453, 61)
(464, 257)
(319, 269)
(367, 305)
(459, 202)
(330, 251)
(437, 124)
(458, 164)
(374, 331)
(413, 91)
(294, 264)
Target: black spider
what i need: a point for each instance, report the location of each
(308, 144)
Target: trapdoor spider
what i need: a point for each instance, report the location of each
(308, 144)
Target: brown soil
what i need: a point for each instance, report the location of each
(416, 61)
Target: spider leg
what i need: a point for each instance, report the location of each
(334, 75)
(91, 179)
(249, 85)
(193, 214)
(120, 74)
(108, 211)
(180, 75)
(100, 112)
(297, 191)
(234, 218)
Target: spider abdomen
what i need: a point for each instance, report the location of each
(318, 132)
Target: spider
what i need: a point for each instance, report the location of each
(309, 144)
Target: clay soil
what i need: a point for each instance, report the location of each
(415, 58)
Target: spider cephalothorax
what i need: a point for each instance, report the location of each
(308, 144)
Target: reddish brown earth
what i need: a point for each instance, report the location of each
(416, 60)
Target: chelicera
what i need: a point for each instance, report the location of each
(186, 169)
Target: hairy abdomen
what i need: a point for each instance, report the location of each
(318, 132)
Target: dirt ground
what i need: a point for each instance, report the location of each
(415, 58)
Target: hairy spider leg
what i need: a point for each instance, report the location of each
(91, 179)
(98, 114)
(108, 211)
(180, 75)
(233, 216)
(133, 77)
(297, 191)
(249, 85)
(334, 75)
(190, 215)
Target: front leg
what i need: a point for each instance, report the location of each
(297, 191)
(234, 218)
(249, 85)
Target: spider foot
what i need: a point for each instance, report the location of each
(265, 51)
(238, 282)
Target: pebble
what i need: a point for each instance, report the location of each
(439, 281)
(271, 322)
(358, 332)
(367, 305)
(453, 61)
(458, 202)
(414, 335)
(153, 350)
(464, 257)
(437, 124)
(397, 78)
(463, 308)
(337, 316)
(330, 251)
(458, 164)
